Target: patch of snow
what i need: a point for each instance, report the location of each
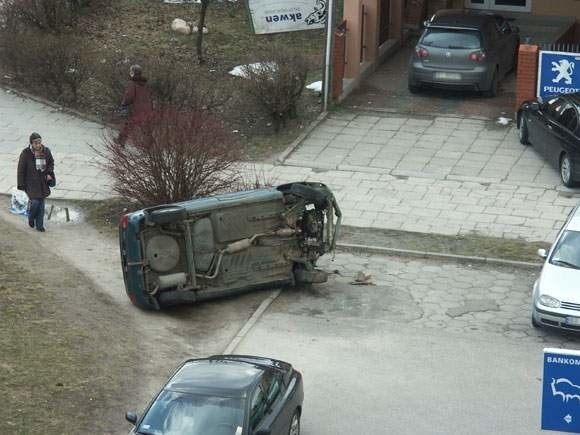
(239, 71)
(315, 86)
(502, 120)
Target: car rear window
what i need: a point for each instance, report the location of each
(451, 38)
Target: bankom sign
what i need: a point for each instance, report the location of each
(274, 16)
(557, 73)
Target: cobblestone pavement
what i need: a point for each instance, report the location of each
(430, 294)
(443, 175)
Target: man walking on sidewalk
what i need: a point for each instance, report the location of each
(35, 175)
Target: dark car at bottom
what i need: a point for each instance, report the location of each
(552, 127)
(226, 395)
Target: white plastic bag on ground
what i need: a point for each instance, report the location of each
(19, 202)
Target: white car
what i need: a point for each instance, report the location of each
(556, 296)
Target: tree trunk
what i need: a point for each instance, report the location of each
(202, 13)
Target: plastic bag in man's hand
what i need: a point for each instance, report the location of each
(19, 202)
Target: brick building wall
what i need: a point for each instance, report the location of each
(415, 12)
(527, 76)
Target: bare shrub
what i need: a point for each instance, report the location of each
(174, 156)
(55, 64)
(254, 177)
(183, 87)
(52, 16)
(277, 83)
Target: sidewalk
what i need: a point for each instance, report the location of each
(443, 175)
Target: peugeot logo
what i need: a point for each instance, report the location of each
(448, 54)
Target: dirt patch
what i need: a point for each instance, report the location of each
(76, 354)
(65, 363)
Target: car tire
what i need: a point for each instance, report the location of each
(165, 214)
(316, 276)
(523, 131)
(566, 171)
(414, 89)
(492, 91)
(294, 424)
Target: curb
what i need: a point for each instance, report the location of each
(284, 155)
(251, 322)
(351, 247)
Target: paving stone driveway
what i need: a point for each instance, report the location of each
(447, 175)
(429, 293)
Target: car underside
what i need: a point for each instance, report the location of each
(213, 247)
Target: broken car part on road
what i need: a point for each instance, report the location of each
(227, 244)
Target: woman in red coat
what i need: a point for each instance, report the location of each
(138, 102)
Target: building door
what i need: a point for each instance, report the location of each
(385, 19)
(500, 5)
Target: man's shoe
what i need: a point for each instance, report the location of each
(42, 230)
(30, 223)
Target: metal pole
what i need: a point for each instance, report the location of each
(328, 54)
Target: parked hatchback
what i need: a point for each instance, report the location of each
(463, 49)
(556, 295)
(226, 395)
(553, 129)
(227, 244)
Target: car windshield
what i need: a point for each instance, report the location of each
(176, 413)
(451, 38)
(567, 251)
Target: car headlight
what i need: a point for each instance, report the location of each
(549, 301)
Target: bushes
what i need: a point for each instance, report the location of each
(277, 83)
(52, 16)
(174, 156)
(57, 64)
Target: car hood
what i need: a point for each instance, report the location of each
(562, 283)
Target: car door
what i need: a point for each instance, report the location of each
(563, 132)
(276, 417)
(540, 127)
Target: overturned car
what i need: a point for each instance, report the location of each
(227, 244)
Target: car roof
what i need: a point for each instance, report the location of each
(461, 18)
(220, 377)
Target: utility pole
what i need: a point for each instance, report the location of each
(326, 84)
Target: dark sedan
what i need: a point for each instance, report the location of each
(552, 127)
(226, 395)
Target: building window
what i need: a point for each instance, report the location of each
(500, 5)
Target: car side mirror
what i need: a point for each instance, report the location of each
(542, 253)
(131, 417)
(425, 23)
(535, 105)
(263, 432)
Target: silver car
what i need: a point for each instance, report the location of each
(464, 50)
(556, 295)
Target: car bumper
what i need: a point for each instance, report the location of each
(476, 79)
(563, 319)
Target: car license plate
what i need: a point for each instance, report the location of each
(573, 321)
(447, 76)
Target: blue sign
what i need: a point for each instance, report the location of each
(557, 73)
(561, 390)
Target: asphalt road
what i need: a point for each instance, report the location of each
(431, 348)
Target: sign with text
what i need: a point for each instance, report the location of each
(274, 16)
(556, 73)
(561, 390)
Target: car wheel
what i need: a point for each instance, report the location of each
(492, 91)
(295, 424)
(414, 89)
(566, 170)
(523, 131)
